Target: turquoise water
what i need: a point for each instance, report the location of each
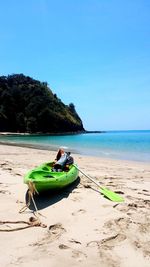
(129, 145)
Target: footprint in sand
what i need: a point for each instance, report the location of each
(112, 240)
(118, 227)
(105, 250)
(147, 202)
(80, 211)
(134, 207)
(5, 192)
(5, 166)
(144, 246)
(54, 232)
(78, 255)
(108, 242)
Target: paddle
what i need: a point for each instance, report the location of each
(106, 192)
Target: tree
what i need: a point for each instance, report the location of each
(29, 105)
(72, 108)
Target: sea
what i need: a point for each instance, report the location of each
(126, 145)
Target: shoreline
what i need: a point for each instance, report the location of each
(99, 146)
(51, 148)
(51, 134)
(83, 227)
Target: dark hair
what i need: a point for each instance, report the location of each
(58, 155)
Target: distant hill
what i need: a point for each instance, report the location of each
(28, 105)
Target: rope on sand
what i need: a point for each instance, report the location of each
(31, 223)
(32, 220)
(31, 191)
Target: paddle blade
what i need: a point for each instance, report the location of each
(111, 195)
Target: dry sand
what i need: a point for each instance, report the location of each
(83, 227)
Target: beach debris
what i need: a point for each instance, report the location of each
(31, 223)
(74, 241)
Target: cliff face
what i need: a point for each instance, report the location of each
(28, 105)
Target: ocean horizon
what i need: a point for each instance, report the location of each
(127, 145)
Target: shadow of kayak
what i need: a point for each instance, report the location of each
(48, 198)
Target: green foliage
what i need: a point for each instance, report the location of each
(28, 105)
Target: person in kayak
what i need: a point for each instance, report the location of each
(62, 161)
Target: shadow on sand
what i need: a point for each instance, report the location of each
(49, 198)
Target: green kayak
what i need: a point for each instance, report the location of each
(45, 179)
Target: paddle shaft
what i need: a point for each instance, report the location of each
(88, 177)
(106, 192)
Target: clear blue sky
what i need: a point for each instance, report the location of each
(94, 53)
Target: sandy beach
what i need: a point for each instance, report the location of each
(83, 228)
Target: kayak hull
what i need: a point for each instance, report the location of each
(44, 179)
